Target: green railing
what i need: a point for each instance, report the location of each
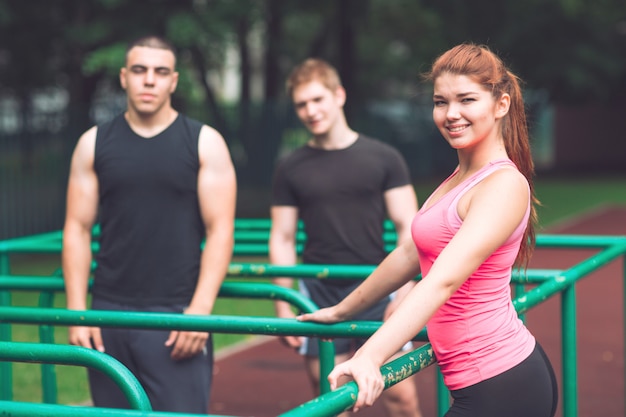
(48, 285)
(79, 356)
(213, 323)
(26, 409)
(343, 398)
(545, 283)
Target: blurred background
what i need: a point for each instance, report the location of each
(59, 61)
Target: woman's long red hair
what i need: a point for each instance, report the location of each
(487, 69)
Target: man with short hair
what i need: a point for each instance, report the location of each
(159, 183)
(342, 185)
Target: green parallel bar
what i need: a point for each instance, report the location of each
(52, 242)
(228, 289)
(257, 290)
(300, 270)
(569, 352)
(9, 245)
(262, 223)
(48, 371)
(78, 355)
(546, 241)
(52, 246)
(25, 409)
(518, 290)
(266, 224)
(213, 323)
(578, 241)
(443, 397)
(268, 325)
(262, 236)
(545, 290)
(352, 271)
(6, 369)
(344, 397)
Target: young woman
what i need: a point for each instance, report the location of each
(467, 237)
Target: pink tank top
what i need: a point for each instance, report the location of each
(476, 334)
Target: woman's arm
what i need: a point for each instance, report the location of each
(399, 267)
(490, 213)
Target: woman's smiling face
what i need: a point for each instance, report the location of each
(465, 112)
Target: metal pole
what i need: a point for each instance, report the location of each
(6, 368)
(569, 347)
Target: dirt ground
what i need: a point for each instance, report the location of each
(265, 379)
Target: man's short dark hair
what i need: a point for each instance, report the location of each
(151, 41)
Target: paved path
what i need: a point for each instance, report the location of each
(267, 379)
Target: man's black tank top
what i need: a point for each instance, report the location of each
(151, 229)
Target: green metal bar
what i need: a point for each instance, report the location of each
(327, 363)
(534, 276)
(78, 355)
(212, 323)
(25, 409)
(269, 325)
(228, 289)
(578, 241)
(252, 270)
(52, 242)
(262, 236)
(266, 224)
(262, 223)
(519, 290)
(6, 369)
(443, 396)
(300, 270)
(54, 235)
(39, 247)
(258, 290)
(569, 355)
(542, 292)
(224, 324)
(48, 371)
(547, 241)
(344, 397)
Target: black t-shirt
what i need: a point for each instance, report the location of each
(340, 198)
(151, 229)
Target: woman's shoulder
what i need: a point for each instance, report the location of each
(505, 186)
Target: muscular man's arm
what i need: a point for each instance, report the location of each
(217, 192)
(82, 209)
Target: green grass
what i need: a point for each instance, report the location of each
(561, 199)
(565, 198)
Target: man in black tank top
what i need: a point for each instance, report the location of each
(159, 183)
(342, 185)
